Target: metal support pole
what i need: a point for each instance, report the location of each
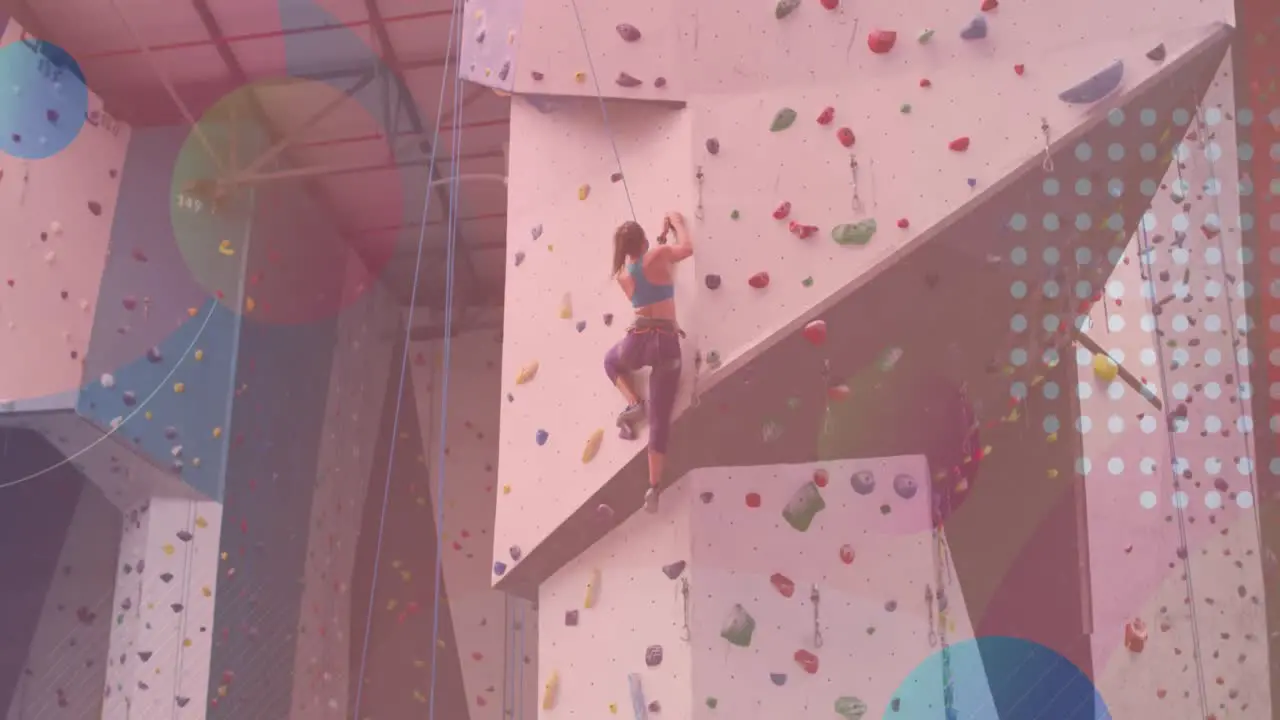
(289, 138)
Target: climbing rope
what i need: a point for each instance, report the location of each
(455, 29)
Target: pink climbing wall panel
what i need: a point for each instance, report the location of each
(563, 311)
(65, 663)
(162, 632)
(483, 620)
(58, 214)
(357, 384)
(551, 59)
(870, 569)
(600, 615)
(1174, 314)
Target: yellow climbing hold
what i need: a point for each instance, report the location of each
(147, 414)
(593, 446)
(580, 76)
(613, 708)
(527, 373)
(593, 587)
(584, 191)
(217, 432)
(199, 355)
(179, 387)
(566, 307)
(201, 522)
(167, 549)
(1053, 473)
(550, 690)
(205, 591)
(506, 489)
(1052, 437)
(223, 555)
(192, 312)
(1104, 368)
(225, 248)
(249, 304)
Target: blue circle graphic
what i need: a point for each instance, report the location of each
(997, 677)
(44, 99)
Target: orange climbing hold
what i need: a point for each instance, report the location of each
(1135, 635)
(881, 41)
(959, 144)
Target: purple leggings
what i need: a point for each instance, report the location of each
(657, 348)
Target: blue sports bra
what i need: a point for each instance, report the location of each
(647, 293)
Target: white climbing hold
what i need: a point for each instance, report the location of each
(108, 380)
(55, 228)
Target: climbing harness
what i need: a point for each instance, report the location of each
(1047, 164)
(853, 171)
(815, 599)
(697, 212)
(685, 607)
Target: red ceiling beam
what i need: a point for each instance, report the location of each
(265, 35)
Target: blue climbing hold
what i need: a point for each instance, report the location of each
(975, 30)
(541, 437)
(499, 569)
(1096, 87)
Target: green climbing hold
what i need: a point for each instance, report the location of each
(734, 215)
(783, 120)
(924, 36)
(850, 708)
(807, 282)
(905, 108)
(858, 233)
(712, 703)
(803, 506)
(785, 8)
(739, 627)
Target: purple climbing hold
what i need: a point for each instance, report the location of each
(655, 707)
(129, 302)
(713, 146)
(629, 32)
(1096, 87)
(660, 82)
(628, 81)
(52, 116)
(706, 497)
(674, 570)
(863, 482)
(571, 618)
(129, 398)
(975, 30)
(581, 325)
(608, 319)
(604, 511)
(537, 76)
(519, 259)
(1157, 53)
(541, 437)
(653, 655)
(536, 232)
(505, 71)
(905, 486)
(499, 569)
(713, 282)
(95, 208)
(973, 182)
(515, 553)
(616, 177)
(154, 355)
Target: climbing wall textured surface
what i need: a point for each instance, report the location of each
(162, 615)
(356, 393)
(59, 213)
(618, 610)
(1173, 533)
(802, 191)
(64, 664)
(496, 634)
(561, 241)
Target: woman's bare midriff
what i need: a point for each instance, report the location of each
(661, 310)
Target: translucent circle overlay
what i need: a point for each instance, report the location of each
(43, 100)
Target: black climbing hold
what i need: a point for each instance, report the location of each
(660, 82)
(628, 32)
(144, 656)
(905, 486)
(571, 618)
(608, 319)
(627, 81)
(655, 707)
(511, 398)
(129, 398)
(706, 497)
(616, 177)
(505, 71)
(674, 570)
(185, 536)
(515, 553)
(785, 8)
(653, 655)
(713, 282)
(713, 146)
(863, 482)
(170, 433)
(64, 294)
(127, 568)
(778, 679)
(176, 607)
(52, 116)
(166, 577)
(519, 258)
(891, 605)
(95, 208)
(537, 75)
(1157, 53)
(895, 704)
(181, 701)
(154, 355)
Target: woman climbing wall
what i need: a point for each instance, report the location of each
(646, 276)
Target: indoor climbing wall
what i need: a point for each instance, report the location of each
(816, 590)
(361, 366)
(1175, 560)
(799, 189)
(58, 212)
(483, 618)
(66, 662)
(162, 614)
(563, 311)
(614, 624)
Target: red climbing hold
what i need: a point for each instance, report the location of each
(989, 5)
(904, 223)
(826, 116)
(959, 144)
(782, 211)
(785, 586)
(830, 4)
(846, 554)
(845, 135)
(753, 500)
(925, 83)
(1019, 68)
(820, 478)
(816, 332)
(759, 281)
(804, 232)
(807, 661)
(881, 41)
(837, 393)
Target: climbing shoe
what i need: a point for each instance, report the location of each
(651, 500)
(631, 415)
